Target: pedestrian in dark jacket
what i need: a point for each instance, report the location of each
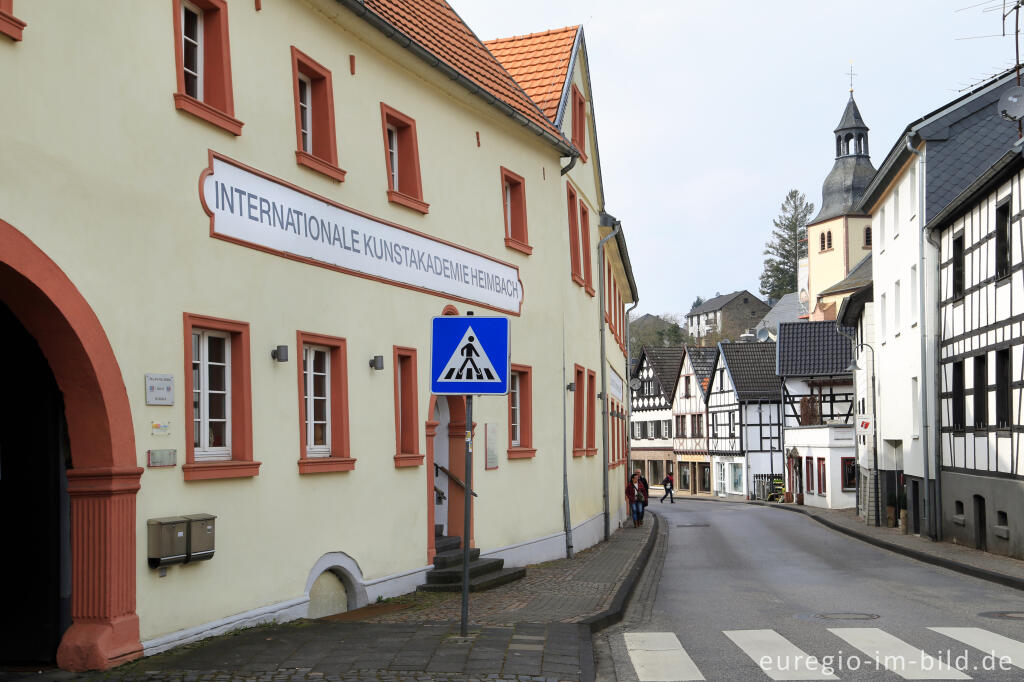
(636, 496)
(647, 487)
(667, 482)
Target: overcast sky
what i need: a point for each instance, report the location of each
(709, 112)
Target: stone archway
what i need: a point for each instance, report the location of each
(456, 446)
(104, 480)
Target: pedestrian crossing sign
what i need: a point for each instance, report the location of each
(469, 355)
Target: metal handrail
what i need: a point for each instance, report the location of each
(452, 477)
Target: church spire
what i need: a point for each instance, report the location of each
(852, 170)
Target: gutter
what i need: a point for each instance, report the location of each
(359, 9)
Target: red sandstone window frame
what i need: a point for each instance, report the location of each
(579, 411)
(409, 192)
(579, 122)
(821, 476)
(339, 457)
(809, 474)
(513, 204)
(842, 474)
(574, 237)
(241, 464)
(322, 155)
(407, 435)
(591, 413)
(588, 275)
(216, 106)
(10, 25)
(525, 449)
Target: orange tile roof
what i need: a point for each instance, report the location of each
(539, 62)
(437, 28)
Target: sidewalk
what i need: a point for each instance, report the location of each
(536, 628)
(960, 558)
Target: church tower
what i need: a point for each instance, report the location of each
(839, 237)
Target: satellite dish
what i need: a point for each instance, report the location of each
(634, 383)
(1011, 104)
(763, 334)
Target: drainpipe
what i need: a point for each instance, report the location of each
(604, 372)
(629, 403)
(930, 235)
(566, 519)
(922, 330)
(568, 167)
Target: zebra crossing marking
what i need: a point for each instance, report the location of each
(776, 656)
(999, 647)
(897, 656)
(659, 657)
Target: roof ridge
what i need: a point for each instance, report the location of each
(550, 31)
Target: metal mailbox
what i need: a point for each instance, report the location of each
(168, 540)
(201, 532)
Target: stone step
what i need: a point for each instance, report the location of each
(454, 557)
(453, 574)
(479, 583)
(447, 543)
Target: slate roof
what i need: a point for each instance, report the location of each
(964, 137)
(666, 363)
(851, 117)
(850, 175)
(752, 368)
(540, 64)
(858, 277)
(703, 361)
(788, 309)
(436, 28)
(719, 302)
(813, 349)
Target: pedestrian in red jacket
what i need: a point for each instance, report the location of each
(636, 496)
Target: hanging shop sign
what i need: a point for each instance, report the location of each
(252, 208)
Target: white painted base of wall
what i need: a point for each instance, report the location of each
(362, 592)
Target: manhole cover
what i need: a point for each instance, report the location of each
(1003, 615)
(692, 525)
(847, 616)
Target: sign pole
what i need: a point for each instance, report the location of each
(463, 630)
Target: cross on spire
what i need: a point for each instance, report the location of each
(851, 74)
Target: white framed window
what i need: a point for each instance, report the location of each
(393, 155)
(882, 311)
(192, 49)
(508, 208)
(305, 112)
(881, 228)
(316, 383)
(211, 395)
(913, 293)
(514, 409)
(737, 477)
(896, 308)
(896, 212)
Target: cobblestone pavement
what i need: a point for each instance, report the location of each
(531, 629)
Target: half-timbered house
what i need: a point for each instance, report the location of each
(689, 412)
(744, 419)
(813, 360)
(657, 370)
(982, 340)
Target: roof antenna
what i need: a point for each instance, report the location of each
(1016, 47)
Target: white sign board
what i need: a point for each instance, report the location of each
(615, 386)
(159, 389)
(256, 209)
(865, 425)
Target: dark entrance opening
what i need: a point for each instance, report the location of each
(34, 503)
(916, 487)
(980, 524)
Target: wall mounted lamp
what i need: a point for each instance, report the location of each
(377, 362)
(571, 387)
(280, 354)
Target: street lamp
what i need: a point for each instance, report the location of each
(874, 424)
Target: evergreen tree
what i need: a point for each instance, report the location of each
(786, 247)
(697, 302)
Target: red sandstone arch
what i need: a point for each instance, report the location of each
(105, 475)
(457, 465)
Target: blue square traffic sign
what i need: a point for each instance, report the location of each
(469, 355)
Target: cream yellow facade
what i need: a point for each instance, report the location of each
(100, 172)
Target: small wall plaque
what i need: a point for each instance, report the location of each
(491, 445)
(160, 428)
(159, 389)
(162, 458)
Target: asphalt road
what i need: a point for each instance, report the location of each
(735, 583)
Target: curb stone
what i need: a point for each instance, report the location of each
(925, 557)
